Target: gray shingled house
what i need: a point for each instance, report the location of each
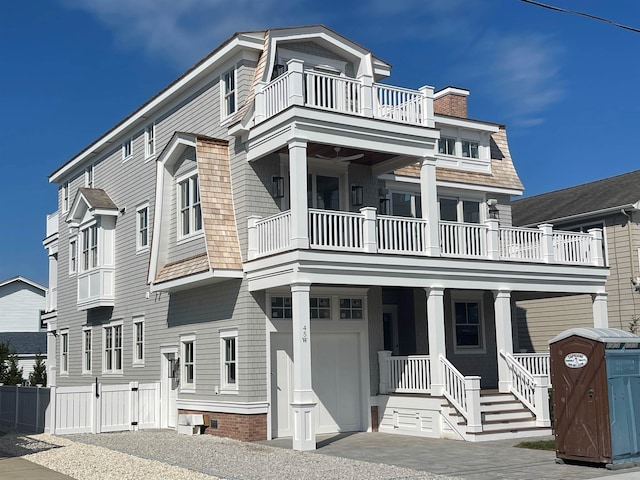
(611, 204)
(282, 243)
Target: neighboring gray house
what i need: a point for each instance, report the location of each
(611, 204)
(287, 246)
(21, 302)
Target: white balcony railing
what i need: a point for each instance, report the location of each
(368, 232)
(353, 96)
(408, 374)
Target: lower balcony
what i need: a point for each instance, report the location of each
(96, 288)
(368, 232)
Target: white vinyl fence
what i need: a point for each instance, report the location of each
(92, 408)
(23, 408)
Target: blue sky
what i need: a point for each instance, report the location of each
(565, 86)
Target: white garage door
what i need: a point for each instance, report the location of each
(335, 365)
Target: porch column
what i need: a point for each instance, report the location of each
(437, 344)
(298, 193)
(504, 336)
(429, 203)
(304, 423)
(600, 315)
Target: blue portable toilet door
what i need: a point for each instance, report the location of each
(624, 387)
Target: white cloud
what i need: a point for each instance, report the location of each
(180, 31)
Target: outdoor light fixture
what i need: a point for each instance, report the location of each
(385, 206)
(493, 209)
(278, 187)
(357, 195)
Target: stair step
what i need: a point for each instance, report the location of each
(510, 434)
(500, 407)
(507, 416)
(498, 398)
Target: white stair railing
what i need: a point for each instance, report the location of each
(531, 390)
(463, 393)
(534, 363)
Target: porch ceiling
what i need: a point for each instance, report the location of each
(380, 140)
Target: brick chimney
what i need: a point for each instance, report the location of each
(451, 101)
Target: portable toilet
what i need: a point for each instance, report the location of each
(595, 374)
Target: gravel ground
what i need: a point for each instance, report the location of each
(88, 462)
(219, 457)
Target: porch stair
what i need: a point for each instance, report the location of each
(503, 416)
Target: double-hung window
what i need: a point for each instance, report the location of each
(190, 212)
(138, 341)
(188, 361)
(64, 352)
(113, 349)
(88, 176)
(86, 350)
(73, 255)
(228, 93)
(142, 227)
(150, 140)
(468, 329)
(447, 146)
(127, 150)
(229, 360)
(470, 149)
(65, 196)
(89, 247)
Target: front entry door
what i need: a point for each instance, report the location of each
(390, 328)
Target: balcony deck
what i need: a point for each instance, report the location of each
(367, 232)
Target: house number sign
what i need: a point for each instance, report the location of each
(575, 360)
(304, 334)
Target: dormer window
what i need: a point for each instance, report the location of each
(469, 149)
(190, 213)
(447, 146)
(229, 93)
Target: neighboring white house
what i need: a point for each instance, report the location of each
(286, 244)
(21, 303)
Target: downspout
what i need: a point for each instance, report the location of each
(633, 267)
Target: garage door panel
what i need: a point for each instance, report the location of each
(335, 364)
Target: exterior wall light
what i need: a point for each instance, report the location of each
(385, 206)
(357, 194)
(278, 187)
(493, 208)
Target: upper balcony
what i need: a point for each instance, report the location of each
(368, 232)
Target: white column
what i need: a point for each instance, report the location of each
(303, 404)
(437, 344)
(600, 315)
(429, 202)
(298, 193)
(504, 336)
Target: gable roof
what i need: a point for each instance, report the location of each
(93, 199)
(20, 278)
(589, 199)
(25, 342)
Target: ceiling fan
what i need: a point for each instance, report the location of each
(340, 158)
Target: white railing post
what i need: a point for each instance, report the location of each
(474, 418)
(383, 367)
(252, 241)
(429, 201)
(260, 103)
(369, 240)
(596, 247)
(366, 98)
(296, 81)
(541, 400)
(547, 242)
(428, 119)
(493, 239)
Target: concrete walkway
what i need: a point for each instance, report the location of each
(16, 468)
(470, 461)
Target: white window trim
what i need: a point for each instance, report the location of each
(113, 372)
(469, 297)
(223, 94)
(64, 334)
(193, 234)
(89, 176)
(65, 197)
(137, 362)
(85, 370)
(147, 149)
(81, 252)
(128, 141)
(224, 386)
(73, 269)
(139, 246)
(184, 386)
